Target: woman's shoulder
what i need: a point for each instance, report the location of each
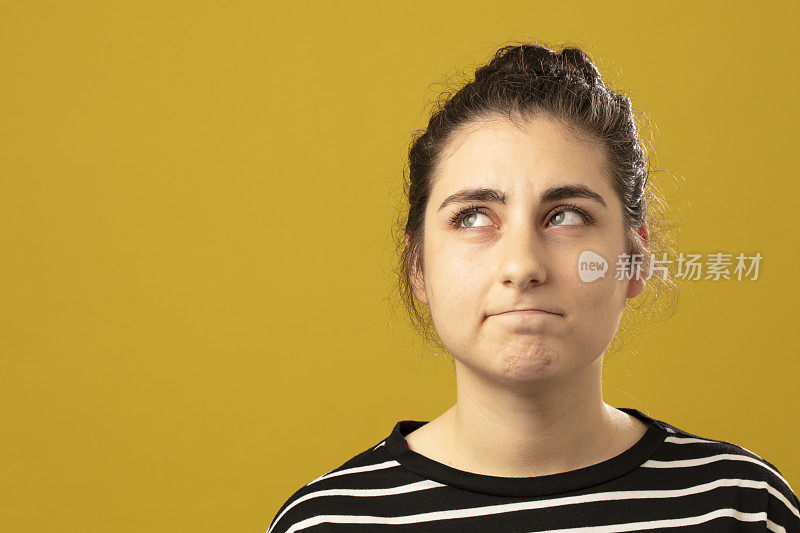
(723, 463)
(372, 468)
(682, 444)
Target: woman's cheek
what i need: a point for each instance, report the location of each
(443, 278)
(589, 298)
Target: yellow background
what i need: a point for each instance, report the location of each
(195, 211)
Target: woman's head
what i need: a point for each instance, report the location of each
(533, 130)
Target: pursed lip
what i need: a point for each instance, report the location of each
(531, 309)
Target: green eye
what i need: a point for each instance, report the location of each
(463, 214)
(470, 218)
(472, 212)
(560, 216)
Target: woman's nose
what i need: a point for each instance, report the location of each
(522, 260)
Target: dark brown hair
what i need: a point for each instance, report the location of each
(520, 82)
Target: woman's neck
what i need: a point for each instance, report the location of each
(497, 432)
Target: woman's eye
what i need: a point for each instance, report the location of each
(559, 218)
(471, 220)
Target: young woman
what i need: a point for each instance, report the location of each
(526, 182)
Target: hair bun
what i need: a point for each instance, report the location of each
(534, 60)
(577, 60)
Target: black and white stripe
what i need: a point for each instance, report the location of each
(670, 480)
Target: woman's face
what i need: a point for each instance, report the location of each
(523, 252)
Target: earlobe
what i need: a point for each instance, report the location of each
(635, 287)
(417, 284)
(419, 292)
(640, 268)
(637, 284)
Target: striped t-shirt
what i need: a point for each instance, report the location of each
(669, 480)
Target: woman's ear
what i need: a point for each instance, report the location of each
(637, 284)
(645, 235)
(415, 278)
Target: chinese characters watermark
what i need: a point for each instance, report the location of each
(592, 266)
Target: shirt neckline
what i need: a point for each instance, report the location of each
(580, 478)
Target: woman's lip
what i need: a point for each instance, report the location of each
(525, 312)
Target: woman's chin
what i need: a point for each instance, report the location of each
(528, 358)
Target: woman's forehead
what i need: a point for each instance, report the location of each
(521, 162)
(500, 141)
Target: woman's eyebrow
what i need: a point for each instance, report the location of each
(560, 192)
